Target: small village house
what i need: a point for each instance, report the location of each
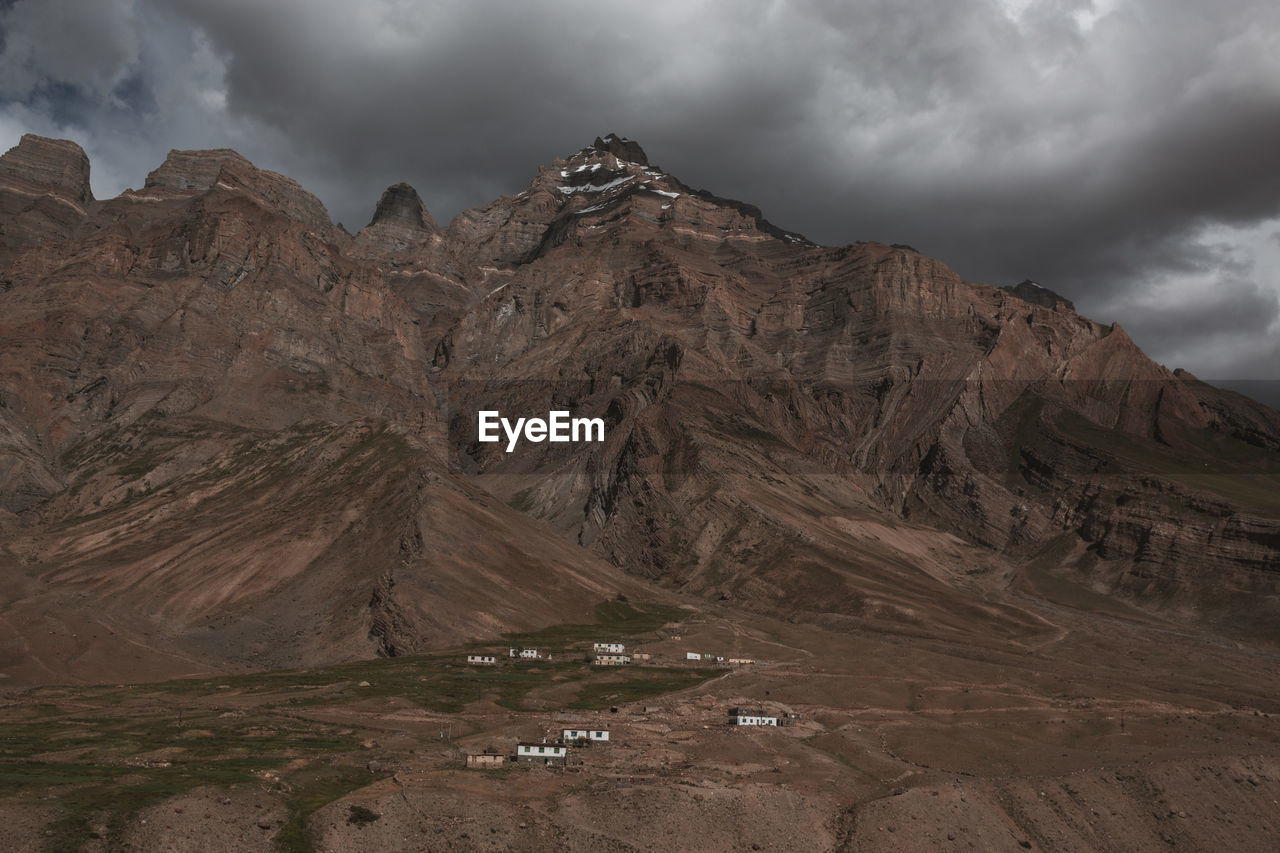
(751, 717)
(527, 654)
(609, 648)
(692, 656)
(547, 753)
(612, 660)
(485, 761)
(593, 735)
(482, 659)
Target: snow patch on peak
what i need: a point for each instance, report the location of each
(592, 188)
(593, 208)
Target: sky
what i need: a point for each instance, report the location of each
(1124, 153)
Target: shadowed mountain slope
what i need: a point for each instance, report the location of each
(238, 435)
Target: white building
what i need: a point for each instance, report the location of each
(609, 648)
(692, 656)
(547, 753)
(597, 735)
(751, 717)
(482, 659)
(523, 653)
(612, 660)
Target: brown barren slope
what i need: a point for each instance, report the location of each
(1015, 581)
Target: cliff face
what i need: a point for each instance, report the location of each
(58, 167)
(727, 354)
(836, 433)
(44, 191)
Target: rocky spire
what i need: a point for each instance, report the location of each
(401, 205)
(622, 148)
(399, 221)
(58, 165)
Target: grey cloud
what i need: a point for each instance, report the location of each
(1232, 309)
(86, 44)
(1095, 159)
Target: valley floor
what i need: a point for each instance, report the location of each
(1095, 734)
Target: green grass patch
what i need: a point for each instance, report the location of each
(110, 739)
(102, 754)
(616, 620)
(95, 794)
(637, 685)
(106, 779)
(312, 791)
(444, 683)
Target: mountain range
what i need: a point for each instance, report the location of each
(234, 434)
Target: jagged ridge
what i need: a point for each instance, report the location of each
(769, 401)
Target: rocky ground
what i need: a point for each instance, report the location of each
(1094, 734)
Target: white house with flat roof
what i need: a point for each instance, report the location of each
(482, 659)
(612, 660)
(547, 753)
(751, 717)
(609, 648)
(596, 735)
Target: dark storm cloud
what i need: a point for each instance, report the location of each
(1123, 153)
(1232, 310)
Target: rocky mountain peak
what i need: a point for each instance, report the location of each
(57, 165)
(194, 172)
(606, 191)
(622, 148)
(401, 205)
(1037, 294)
